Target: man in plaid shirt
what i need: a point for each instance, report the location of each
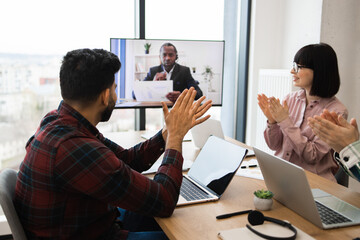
(73, 179)
(343, 137)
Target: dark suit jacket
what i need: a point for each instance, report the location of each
(181, 77)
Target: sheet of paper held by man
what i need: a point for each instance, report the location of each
(152, 90)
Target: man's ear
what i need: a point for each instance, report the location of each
(105, 95)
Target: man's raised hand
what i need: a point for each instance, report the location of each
(184, 115)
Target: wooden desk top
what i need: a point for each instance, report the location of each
(199, 221)
(130, 138)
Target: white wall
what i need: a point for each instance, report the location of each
(340, 28)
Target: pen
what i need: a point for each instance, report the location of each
(232, 214)
(249, 166)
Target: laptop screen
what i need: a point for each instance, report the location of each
(217, 163)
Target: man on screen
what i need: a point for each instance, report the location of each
(170, 70)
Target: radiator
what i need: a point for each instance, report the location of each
(276, 83)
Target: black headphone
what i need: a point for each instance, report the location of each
(257, 218)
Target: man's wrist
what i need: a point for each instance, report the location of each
(164, 133)
(174, 142)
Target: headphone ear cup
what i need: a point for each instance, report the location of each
(256, 218)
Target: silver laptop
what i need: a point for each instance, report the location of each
(212, 171)
(289, 184)
(200, 133)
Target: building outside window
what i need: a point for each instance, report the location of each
(35, 37)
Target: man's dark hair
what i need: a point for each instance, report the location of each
(85, 73)
(321, 58)
(169, 45)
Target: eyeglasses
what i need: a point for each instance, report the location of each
(297, 67)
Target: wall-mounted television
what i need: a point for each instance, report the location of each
(204, 60)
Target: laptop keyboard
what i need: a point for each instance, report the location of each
(329, 216)
(190, 191)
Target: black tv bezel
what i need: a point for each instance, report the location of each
(169, 40)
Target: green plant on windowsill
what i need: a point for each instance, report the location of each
(264, 194)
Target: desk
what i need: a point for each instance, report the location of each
(198, 221)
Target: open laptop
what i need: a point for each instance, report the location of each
(289, 184)
(211, 127)
(212, 171)
(200, 133)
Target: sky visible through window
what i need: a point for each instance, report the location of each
(185, 19)
(57, 26)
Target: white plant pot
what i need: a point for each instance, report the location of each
(263, 204)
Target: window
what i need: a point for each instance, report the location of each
(35, 35)
(186, 19)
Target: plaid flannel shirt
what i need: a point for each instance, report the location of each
(72, 179)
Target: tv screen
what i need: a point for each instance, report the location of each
(143, 82)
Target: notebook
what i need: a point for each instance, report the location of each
(200, 133)
(289, 184)
(211, 172)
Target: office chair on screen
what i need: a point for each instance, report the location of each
(7, 190)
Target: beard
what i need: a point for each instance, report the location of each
(106, 114)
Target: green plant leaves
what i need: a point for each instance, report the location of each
(264, 194)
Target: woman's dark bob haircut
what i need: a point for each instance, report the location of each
(321, 58)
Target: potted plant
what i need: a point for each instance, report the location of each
(263, 199)
(147, 47)
(208, 76)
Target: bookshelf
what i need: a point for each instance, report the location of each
(143, 63)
